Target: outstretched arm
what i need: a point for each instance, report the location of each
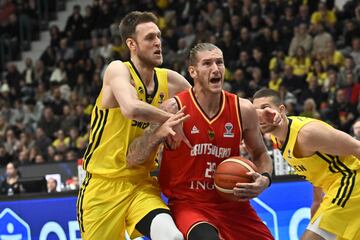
(316, 136)
(256, 147)
(142, 147)
(117, 84)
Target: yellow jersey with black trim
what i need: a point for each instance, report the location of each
(321, 169)
(111, 132)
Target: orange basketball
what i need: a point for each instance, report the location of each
(231, 171)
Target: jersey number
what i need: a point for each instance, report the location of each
(209, 171)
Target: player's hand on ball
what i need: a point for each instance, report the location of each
(247, 191)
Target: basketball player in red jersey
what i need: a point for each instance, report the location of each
(218, 122)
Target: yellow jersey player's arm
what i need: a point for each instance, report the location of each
(118, 92)
(143, 147)
(317, 137)
(177, 83)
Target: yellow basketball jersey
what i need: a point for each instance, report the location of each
(321, 169)
(111, 132)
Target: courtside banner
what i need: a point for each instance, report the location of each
(284, 207)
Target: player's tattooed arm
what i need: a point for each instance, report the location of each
(143, 148)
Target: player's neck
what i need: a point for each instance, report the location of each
(209, 102)
(145, 71)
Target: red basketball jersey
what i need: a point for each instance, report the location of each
(187, 174)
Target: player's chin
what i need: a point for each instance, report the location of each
(158, 59)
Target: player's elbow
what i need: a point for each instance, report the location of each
(130, 111)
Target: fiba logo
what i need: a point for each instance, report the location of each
(12, 227)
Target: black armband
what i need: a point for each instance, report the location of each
(266, 174)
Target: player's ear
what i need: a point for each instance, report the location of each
(130, 43)
(282, 108)
(192, 72)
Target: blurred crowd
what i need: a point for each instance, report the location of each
(309, 51)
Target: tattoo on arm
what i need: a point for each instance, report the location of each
(141, 148)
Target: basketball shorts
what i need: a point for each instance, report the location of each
(107, 207)
(233, 220)
(340, 209)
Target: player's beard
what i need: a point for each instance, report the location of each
(148, 60)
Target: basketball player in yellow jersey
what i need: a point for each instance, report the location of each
(116, 197)
(326, 157)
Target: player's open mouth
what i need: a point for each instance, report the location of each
(215, 80)
(157, 52)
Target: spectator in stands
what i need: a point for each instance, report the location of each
(321, 39)
(324, 16)
(89, 21)
(57, 102)
(286, 25)
(303, 16)
(275, 81)
(48, 57)
(10, 185)
(349, 67)
(300, 63)
(23, 157)
(277, 62)
(11, 143)
(49, 122)
(61, 142)
(105, 49)
(55, 36)
(5, 157)
(333, 57)
(29, 72)
(309, 109)
(74, 24)
(3, 126)
(355, 49)
(239, 83)
(42, 141)
(68, 118)
(228, 47)
(342, 112)
(302, 38)
(64, 52)
(356, 129)
(59, 74)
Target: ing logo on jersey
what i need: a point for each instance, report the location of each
(211, 134)
(141, 89)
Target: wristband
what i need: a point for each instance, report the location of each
(266, 174)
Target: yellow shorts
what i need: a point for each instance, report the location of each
(343, 221)
(107, 207)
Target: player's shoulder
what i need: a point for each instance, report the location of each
(116, 64)
(116, 68)
(245, 103)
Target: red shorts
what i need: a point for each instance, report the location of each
(233, 220)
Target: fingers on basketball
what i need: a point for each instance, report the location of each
(230, 172)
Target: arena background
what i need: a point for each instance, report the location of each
(52, 59)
